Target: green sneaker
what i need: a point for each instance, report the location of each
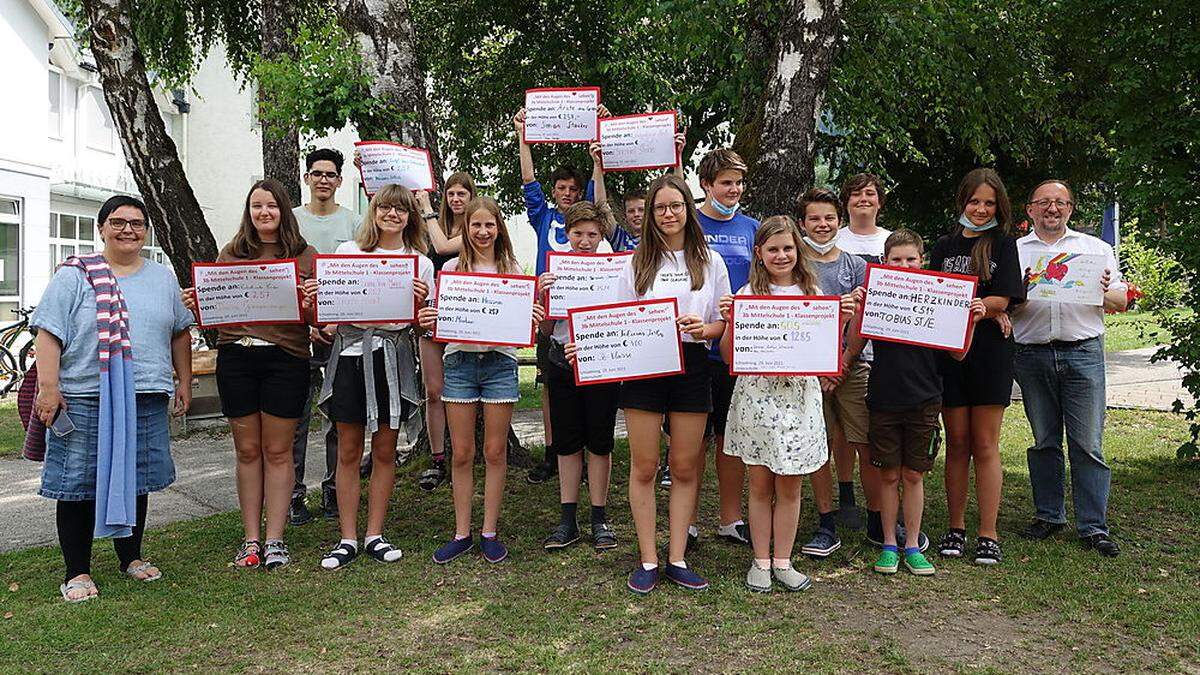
(888, 562)
(918, 565)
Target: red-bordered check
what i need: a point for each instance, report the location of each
(626, 341)
(918, 307)
(485, 309)
(582, 280)
(364, 288)
(786, 335)
(247, 293)
(561, 115)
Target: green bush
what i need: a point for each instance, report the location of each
(1160, 277)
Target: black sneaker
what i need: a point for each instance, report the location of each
(1103, 544)
(987, 552)
(1041, 529)
(299, 514)
(953, 544)
(329, 509)
(849, 517)
(563, 536)
(542, 473)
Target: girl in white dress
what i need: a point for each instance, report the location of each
(776, 424)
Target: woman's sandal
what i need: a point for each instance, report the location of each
(249, 556)
(383, 551)
(78, 585)
(433, 476)
(339, 557)
(276, 555)
(134, 570)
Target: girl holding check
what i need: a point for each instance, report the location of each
(672, 261)
(479, 373)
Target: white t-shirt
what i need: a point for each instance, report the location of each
(778, 290)
(674, 281)
(869, 247)
(326, 233)
(424, 273)
(451, 347)
(1039, 321)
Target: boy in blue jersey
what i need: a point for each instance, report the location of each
(731, 234)
(625, 236)
(549, 225)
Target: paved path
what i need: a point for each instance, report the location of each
(204, 460)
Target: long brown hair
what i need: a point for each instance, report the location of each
(445, 215)
(414, 235)
(652, 249)
(981, 252)
(246, 243)
(802, 274)
(502, 248)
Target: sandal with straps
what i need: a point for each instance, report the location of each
(339, 557)
(433, 476)
(987, 551)
(276, 554)
(134, 570)
(77, 585)
(249, 556)
(383, 551)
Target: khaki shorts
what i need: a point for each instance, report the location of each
(846, 406)
(908, 438)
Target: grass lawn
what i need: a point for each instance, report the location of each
(1050, 607)
(12, 434)
(1133, 330)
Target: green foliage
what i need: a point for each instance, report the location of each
(1160, 277)
(320, 88)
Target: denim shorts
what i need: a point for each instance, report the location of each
(470, 377)
(69, 473)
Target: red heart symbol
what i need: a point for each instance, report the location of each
(807, 303)
(641, 309)
(939, 280)
(262, 267)
(609, 259)
(382, 262)
(504, 281)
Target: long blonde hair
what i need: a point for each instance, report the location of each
(414, 235)
(652, 249)
(502, 248)
(445, 215)
(802, 274)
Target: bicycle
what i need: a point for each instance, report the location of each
(13, 366)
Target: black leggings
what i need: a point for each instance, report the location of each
(76, 523)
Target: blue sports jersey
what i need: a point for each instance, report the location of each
(622, 241)
(548, 222)
(733, 239)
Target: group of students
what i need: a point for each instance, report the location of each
(882, 411)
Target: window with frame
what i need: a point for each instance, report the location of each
(10, 248)
(101, 131)
(56, 100)
(74, 235)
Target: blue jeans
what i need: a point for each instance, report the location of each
(1062, 386)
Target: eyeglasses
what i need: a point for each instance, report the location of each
(324, 175)
(1045, 203)
(674, 207)
(388, 208)
(119, 224)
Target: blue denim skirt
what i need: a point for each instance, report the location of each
(69, 473)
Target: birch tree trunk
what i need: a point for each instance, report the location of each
(780, 133)
(383, 30)
(174, 212)
(280, 145)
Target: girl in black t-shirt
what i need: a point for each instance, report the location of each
(977, 389)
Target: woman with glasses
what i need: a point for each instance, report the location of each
(672, 261)
(112, 337)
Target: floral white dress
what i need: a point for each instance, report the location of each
(778, 422)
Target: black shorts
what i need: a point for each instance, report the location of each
(690, 391)
(581, 416)
(543, 357)
(261, 379)
(985, 376)
(348, 402)
(722, 395)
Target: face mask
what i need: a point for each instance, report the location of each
(722, 209)
(966, 222)
(821, 248)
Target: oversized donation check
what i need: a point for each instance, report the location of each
(581, 280)
(633, 142)
(786, 335)
(626, 341)
(384, 163)
(918, 307)
(245, 293)
(365, 288)
(561, 115)
(485, 309)
(1065, 277)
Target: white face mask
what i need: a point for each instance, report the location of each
(820, 248)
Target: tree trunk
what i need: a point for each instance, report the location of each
(280, 145)
(383, 30)
(784, 136)
(174, 212)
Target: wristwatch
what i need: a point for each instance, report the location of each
(429, 215)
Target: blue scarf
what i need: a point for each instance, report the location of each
(116, 452)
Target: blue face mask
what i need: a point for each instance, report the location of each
(720, 208)
(966, 222)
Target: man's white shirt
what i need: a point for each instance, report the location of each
(1040, 321)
